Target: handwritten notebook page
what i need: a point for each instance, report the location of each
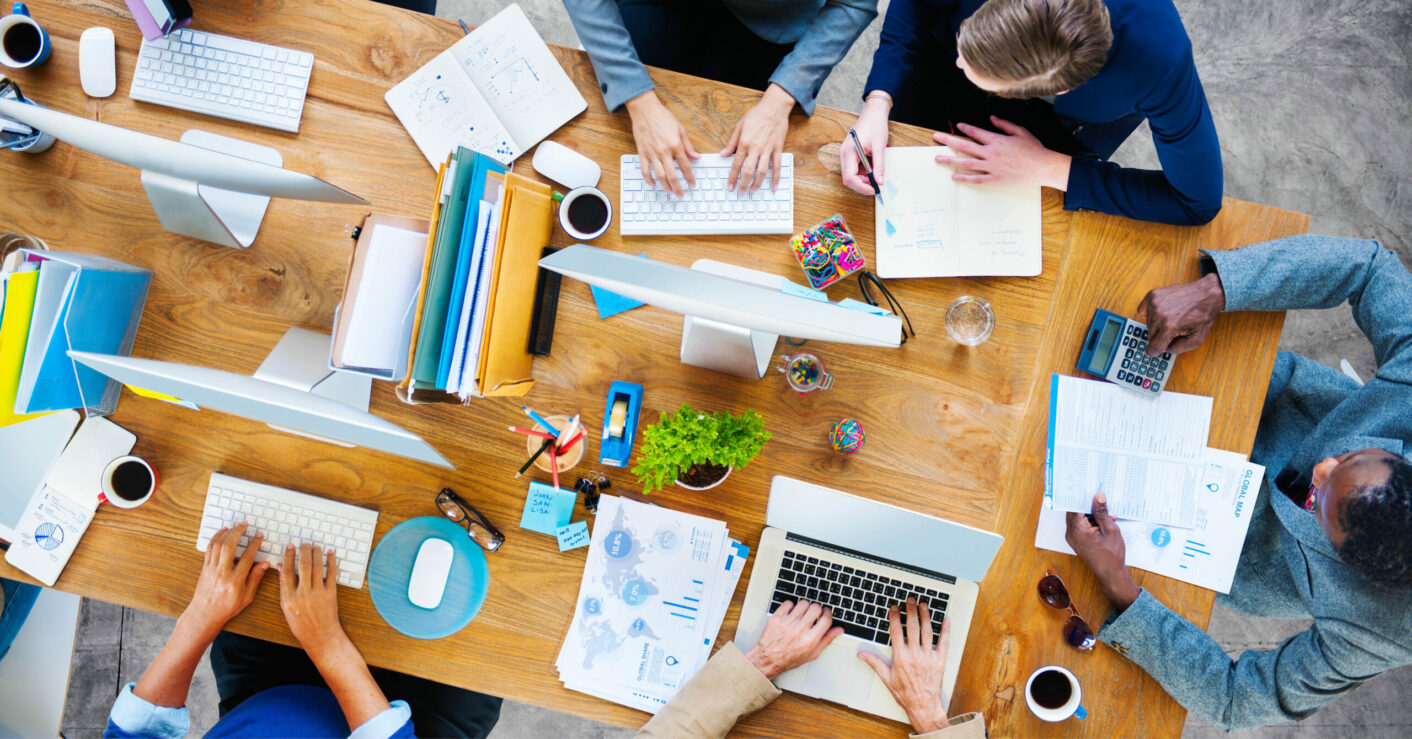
(932, 226)
(442, 109)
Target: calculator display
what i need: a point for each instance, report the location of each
(1104, 352)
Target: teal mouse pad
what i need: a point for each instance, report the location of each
(390, 571)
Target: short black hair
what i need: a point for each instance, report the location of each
(1377, 524)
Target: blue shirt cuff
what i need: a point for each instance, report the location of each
(387, 724)
(136, 716)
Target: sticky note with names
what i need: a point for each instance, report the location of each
(547, 508)
(573, 536)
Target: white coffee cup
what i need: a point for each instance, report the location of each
(1070, 707)
(129, 499)
(568, 214)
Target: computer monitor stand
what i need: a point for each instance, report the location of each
(224, 217)
(723, 347)
(300, 361)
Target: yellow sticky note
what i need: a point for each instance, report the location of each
(162, 396)
(14, 332)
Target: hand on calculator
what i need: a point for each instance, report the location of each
(1179, 317)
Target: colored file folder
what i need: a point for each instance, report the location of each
(85, 303)
(14, 332)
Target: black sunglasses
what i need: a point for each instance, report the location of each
(866, 278)
(478, 527)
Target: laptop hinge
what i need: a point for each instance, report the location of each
(948, 579)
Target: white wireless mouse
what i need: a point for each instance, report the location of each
(565, 166)
(429, 573)
(97, 66)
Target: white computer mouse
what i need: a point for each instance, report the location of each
(429, 573)
(565, 166)
(97, 63)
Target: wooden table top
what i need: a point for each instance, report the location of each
(952, 431)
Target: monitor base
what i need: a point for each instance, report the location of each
(723, 347)
(224, 217)
(300, 361)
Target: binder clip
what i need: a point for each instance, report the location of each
(591, 488)
(620, 423)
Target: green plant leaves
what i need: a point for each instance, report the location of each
(679, 440)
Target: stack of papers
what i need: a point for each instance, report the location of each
(655, 589)
(1183, 508)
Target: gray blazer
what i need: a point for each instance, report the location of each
(1288, 567)
(821, 30)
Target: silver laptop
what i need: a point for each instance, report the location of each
(858, 557)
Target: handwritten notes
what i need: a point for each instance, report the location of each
(933, 226)
(573, 536)
(547, 509)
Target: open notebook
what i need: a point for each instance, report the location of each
(932, 226)
(498, 91)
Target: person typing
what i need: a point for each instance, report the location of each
(732, 685)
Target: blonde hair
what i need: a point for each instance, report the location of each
(1036, 47)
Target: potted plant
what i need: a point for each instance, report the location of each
(697, 450)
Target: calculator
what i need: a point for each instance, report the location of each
(1115, 350)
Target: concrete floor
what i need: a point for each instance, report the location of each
(1312, 100)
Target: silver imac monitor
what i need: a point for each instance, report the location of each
(276, 401)
(206, 186)
(733, 315)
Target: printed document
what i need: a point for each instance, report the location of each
(1205, 554)
(498, 91)
(1144, 453)
(930, 225)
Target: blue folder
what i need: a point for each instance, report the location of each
(474, 193)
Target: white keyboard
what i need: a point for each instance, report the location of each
(710, 207)
(224, 77)
(284, 517)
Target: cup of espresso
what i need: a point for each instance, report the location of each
(128, 482)
(22, 42)
(585, 213)
(1053, 694)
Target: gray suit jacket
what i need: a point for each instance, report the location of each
(1288, 567)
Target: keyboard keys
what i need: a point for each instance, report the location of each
(711, 207)
(255, 84)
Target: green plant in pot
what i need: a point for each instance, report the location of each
(697, 450)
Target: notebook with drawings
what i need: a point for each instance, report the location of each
(929, 225)
(498, 91)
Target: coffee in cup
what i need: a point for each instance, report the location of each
(1053, 694)
(128, 482)
(23, 43)
(585, 213)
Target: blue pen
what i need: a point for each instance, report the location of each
(464, 27)
(540, 420)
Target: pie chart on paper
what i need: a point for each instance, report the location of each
(49, 536)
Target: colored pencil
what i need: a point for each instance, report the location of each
(547, 443)
(531, 432)
(540, 420)
(554, 463)
(572, 442)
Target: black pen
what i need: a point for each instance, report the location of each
(867, 169)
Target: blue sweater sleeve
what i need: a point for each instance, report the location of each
(621, 75)
(1187, 191)
(829, 37)
(906, 30)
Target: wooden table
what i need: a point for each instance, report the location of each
(952, 431)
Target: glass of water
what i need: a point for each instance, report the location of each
(970, 320)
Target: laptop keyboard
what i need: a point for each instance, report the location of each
(858, 599)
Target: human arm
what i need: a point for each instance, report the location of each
(1187, 190)
(733, 684)
(154, 705)
(309, 597)
(915, 676)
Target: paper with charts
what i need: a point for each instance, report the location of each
(498, 91)
(656, 586)
(929, 225)
(1205, 554)
(1144, 453)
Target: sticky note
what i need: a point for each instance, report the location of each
(611, 303)
(547, 508)
(864, 307)
(573, 536)
(799, 291)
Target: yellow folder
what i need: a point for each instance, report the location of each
(525, 226)
(14, 332)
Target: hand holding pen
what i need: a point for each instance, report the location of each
(870, 135)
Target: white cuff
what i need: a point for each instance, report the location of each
(137, 716)
(384, 724)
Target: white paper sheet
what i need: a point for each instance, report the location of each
(471, 300)
(1144, 453)
(392, 269)
(442, 109)
(1205, 555)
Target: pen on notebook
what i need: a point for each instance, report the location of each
(464, 27)
(540, 420)
(867, 168)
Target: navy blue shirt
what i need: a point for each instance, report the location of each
(1149, 73)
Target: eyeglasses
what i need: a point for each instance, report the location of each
(866, 278)
(480, 529)
(1076, 630)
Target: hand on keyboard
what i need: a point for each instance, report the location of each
(661, 142)
(796, 634)
(228, 582)
(308, 594)
(918, 666)
(758, 141)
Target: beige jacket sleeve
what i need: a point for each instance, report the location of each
(729, 687)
